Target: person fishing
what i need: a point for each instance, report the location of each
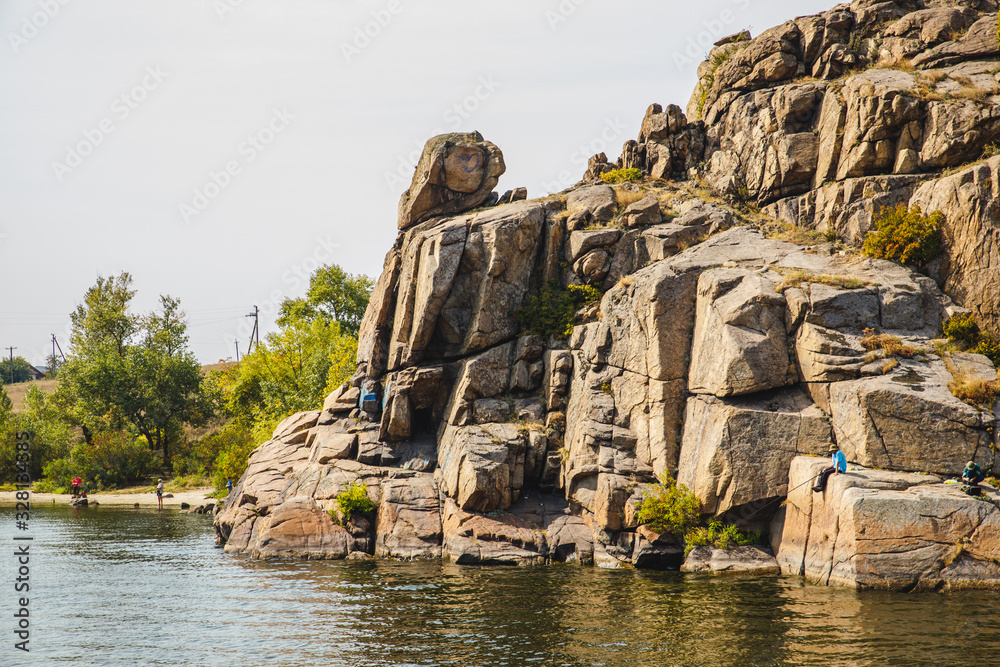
(159, 493)
(971, 477)
(76, 485)
(838, 465)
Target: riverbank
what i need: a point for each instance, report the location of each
(192, 497)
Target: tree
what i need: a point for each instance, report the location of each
(131, 372)
(291, 371)
(334, 295)
(52, 364)
(12, 372)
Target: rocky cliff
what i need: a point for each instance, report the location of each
(722, 351)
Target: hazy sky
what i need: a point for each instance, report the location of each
(220, 150)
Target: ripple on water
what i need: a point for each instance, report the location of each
(143, 587)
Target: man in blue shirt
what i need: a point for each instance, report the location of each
(839, 465)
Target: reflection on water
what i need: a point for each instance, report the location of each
(115, 586)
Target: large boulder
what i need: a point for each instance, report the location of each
(909, 420)
(737, 451)
(299, 528)
(739, 342)
(456, 172)
(409, 519)
(893, 531)
(481, 466)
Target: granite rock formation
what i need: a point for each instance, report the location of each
(719, 353)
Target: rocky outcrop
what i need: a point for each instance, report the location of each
(882, 530)
(717, 353)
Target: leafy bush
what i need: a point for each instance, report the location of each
(235, 445)
(114, 460)
(963, 330)
(669, 507)
(721, 536)
(353, 501)
(905, 235)
(621, 175)
(552, 311)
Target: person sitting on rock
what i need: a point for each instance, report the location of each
(972, 476)
(839, 465)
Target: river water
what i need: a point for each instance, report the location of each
(121, 586)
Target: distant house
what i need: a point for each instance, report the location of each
(38, 373)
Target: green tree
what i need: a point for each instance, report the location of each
(291, 371)
(14, 371)
(334, 295)
(131, 372)
(52, 436)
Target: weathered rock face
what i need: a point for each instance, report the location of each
(737, 451)
(739, 338)
(716, 354)
(970, 271)
(908, 419)
(881, 530)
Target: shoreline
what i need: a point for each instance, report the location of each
(193, 497)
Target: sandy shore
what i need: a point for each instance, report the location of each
(193, 498)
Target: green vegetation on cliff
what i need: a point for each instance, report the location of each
(669, 507)
(905, 235)
(551, 312)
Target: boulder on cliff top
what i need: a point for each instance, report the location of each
(456, 172)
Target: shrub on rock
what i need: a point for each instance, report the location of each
(354, 501)
(669, 507)
(905, 235)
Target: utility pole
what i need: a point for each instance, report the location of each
(237, 350)
(12, 363)
(256, 328)
(55, 346)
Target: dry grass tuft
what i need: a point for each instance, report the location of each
(786, 231)
(975, 391)
(798, 277)
(625, 281)
(893, 346)
(627, 196)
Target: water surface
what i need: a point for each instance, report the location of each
(121, 586)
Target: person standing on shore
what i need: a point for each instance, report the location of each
(159, 493)
(76, 485)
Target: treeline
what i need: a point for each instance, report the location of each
(132, 401)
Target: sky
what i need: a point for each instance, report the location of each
(219, 151)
